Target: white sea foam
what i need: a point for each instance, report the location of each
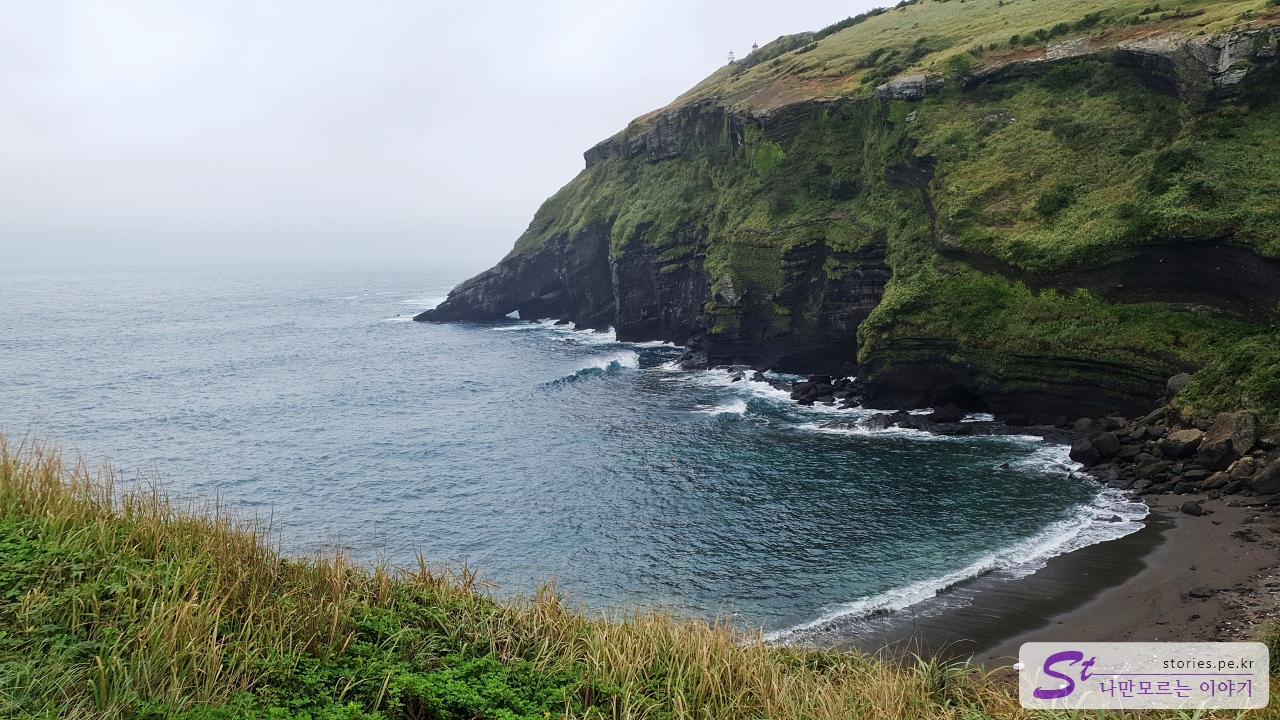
(853, 416)
(624, 359)
(1091, 524)
(733, 407)
(549, 326)
(523, 326)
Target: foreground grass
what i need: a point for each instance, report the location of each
(125, 604)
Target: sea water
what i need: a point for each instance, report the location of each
(528, 450)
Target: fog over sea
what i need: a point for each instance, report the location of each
(525, 449)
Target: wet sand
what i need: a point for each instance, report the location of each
(1136, 588)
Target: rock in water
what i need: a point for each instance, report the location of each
(947, 413)
(695, 356)
(1083, 452)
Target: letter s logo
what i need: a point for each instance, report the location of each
(1074, 656)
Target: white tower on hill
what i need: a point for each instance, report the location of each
(730, 57)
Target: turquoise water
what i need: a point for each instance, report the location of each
(529, 450)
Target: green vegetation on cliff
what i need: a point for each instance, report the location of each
(1076, 200)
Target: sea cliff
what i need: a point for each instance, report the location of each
(1032, 211)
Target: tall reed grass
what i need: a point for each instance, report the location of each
(121, 602)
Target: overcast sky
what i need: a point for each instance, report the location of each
(138, 132)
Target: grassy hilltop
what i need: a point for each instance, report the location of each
(1077, 203)
(851, 57)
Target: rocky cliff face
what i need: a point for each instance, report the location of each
(568, 278)
(1052, 235)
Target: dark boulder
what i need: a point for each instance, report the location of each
(696, 355)
(1192, 507)
(1215, 481)
(1181, 444)
(1083, 452)
(1266, 481)
(1242, 469)
(1230, 436)
(1107, 444)
(1151, 469)
(947, 413)
(1200, 592)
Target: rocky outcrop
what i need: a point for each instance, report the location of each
(663, 292)
(1199, 274)
(660, 290)
(568, 278)
(1162, 452)
(1203, 69)
(660, 137)
(932, 373)
(910, 87)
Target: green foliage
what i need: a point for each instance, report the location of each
(768, 155)
(1168, 163)
(1088, 21)
(848, 23)
(1244, 374)
(959, 64)
(1056, 200)
(53, 577)
(872, 58)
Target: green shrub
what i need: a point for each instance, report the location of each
(1087, 21)
(959, 64)
(1055, 201)
(768, 155)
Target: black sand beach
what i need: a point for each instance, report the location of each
(1179, 578)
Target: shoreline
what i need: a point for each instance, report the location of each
(1179, 578)
(1204, 566)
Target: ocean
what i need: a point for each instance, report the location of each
(530, 451)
